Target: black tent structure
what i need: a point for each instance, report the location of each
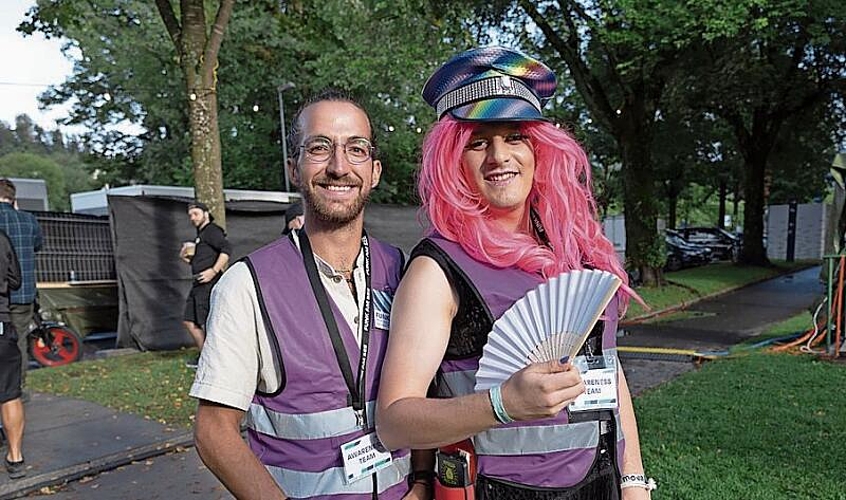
(147, 232)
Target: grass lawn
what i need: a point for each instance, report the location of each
(758, 427)
(764, 426)
(152, 384)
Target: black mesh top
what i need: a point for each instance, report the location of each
(473, 320)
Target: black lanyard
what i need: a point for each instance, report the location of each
(357, 395)
(539, 230)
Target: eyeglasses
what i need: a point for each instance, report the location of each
(318, 150)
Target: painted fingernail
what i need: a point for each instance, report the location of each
(564, 360)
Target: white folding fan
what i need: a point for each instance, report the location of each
(551, 321)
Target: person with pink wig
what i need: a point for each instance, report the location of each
(509, 199)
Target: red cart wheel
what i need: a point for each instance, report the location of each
(60, 346)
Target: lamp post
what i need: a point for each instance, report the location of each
(279, 90)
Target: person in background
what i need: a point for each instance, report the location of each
(11, 405)
(23, 230)
(297, 332)
(293, 218)
(509, 200)
(208, 255)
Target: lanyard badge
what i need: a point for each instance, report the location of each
(599, 374)
(356, 387)
(364, 455)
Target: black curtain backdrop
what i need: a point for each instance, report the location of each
(153, 282)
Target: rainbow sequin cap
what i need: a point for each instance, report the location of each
(490, 84)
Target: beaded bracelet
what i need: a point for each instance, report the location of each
(501, 415)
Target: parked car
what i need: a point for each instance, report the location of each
(682, 253)
(725, 245)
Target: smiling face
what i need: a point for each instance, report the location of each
(334, 190)
(498, 159)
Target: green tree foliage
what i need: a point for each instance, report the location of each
(768, 64)
(52, 150)
(620, 57)
(752, 63)
(32, 166)
(381, 51)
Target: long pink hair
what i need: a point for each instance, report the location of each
(561, 195)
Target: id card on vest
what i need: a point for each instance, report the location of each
(382, 309)
(599, 374)
(362, 457)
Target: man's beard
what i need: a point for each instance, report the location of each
(334, 214)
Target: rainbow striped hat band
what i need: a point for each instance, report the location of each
(490, 84)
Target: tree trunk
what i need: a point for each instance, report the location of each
(198, 56)
(205, 154)
(644, 249)
(721, 215)
(672, 209)
(753, 213)
(735, 205)
(202, 118)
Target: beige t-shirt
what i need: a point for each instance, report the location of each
(238, 358)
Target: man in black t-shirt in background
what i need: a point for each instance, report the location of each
(208, 255)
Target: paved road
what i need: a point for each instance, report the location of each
(175, 475)
(733, 317)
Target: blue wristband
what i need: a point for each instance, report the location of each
(501, 415)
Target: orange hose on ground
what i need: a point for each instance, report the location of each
(821, 325)
(793, 343)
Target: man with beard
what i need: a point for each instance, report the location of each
(297, 332)
(208, 255)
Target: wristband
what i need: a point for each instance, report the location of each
(637, 481)
(501, 415)
(424, 477)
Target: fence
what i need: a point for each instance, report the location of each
(76, 248)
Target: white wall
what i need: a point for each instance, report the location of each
(614, 227)
(811, 221)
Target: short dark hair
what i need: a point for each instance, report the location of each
(7, 189)
(331, 94)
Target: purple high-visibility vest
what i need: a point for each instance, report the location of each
(550, 453)
(298, 431)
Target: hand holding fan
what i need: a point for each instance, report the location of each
(551, 321)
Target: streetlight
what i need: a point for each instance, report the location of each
(279, 90)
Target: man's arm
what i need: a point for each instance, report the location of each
(217, 240)
(13, 272)
(632, 463)
(231, 363)
(38, 238)
(207, 275)
(422, 462)
(217, 435)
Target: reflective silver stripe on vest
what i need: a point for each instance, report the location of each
(318, 425)
(459, 383)
(537, 439)
(332, 481)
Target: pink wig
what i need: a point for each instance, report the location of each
(561, 195)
